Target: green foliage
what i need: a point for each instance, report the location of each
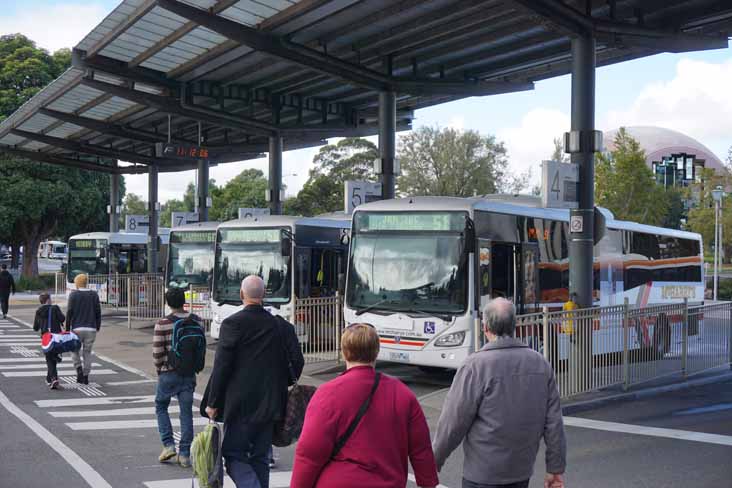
(724, 289)
(133, 204)
(625, 185)
(352, 158)
(558, 153)
(186, 205)
(245, 190)
(701, 217)
(450, 162)
(41, 282)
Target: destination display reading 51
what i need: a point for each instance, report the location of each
(250, 235)
(412, 221)
(199, 236)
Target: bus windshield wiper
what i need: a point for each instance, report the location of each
(442, 316)
(228, 301)
(417, 288)
(372, 306)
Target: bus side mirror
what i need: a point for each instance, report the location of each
(286, 244)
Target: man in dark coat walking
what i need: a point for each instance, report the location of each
(7, 286)
(249, 384)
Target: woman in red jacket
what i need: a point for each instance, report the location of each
(392, 429)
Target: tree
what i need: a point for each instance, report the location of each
(352, 158)
(133, 204)
(40, 200)
(558, 154)
(625, 185)
(450, 162)
(701, 217)
(188, 204)
(247, 189)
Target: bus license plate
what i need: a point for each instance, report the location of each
(399, 356)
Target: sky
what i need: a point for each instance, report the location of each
(685, 92)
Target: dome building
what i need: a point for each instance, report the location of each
(675, 158)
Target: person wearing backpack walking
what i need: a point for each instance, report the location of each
(49, 318)
(179, 353)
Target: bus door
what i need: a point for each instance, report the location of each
(505, 258)
(529, 278)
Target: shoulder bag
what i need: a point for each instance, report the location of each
(357, 420)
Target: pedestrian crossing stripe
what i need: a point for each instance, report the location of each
(82, 402)
(23, 360)
(6, 367)
(128, 424)
(21, 342)
(112, 412)
(28, 374)
(277, 479)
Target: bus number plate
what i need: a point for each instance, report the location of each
(399, 356)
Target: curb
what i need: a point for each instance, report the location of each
(578, 407)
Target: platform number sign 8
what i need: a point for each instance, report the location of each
(132, 224)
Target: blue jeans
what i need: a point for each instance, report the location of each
(172, 385)
(246, 452)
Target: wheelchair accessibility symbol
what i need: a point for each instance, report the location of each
(429, 327)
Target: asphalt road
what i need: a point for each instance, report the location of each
(105, 436)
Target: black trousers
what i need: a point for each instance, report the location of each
(5, 303)
(518, 484)
(52, 359)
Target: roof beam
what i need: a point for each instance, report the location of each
(169, 105)
(308, 57)
(81, 60)
(74, 146)
(574, 22)
(141, 11)
(105, 128)
(57, 160)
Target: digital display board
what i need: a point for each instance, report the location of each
(412, 221)
(163, 150)
(250, 235)
(86, 244)
(193, 237)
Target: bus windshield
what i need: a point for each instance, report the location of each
(415, 270)
(247, 252)
(88, 261)
(190, 263)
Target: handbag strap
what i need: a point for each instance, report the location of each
(50, 309)
(361, 412)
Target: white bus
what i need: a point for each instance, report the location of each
(421, 268)
(52, 250)
(190, 263)
(271, 247)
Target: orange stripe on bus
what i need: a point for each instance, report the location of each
(402, 343)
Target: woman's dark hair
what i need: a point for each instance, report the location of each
(175, 298)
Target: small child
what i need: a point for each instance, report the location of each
(49, 318)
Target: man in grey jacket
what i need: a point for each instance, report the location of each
(84, 318)
(503, 400)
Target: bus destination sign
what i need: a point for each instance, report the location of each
(193, 237)
(413, 221)
(250, 235)
(83, 244)
(163, 150)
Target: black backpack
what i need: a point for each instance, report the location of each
(187, 355)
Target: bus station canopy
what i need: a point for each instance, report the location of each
(231, 74)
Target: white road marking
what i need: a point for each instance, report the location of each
(92, 478)
(5, 367)
(90, 390)
(8, 326)
(113, 412)
(23, 360)
(124, 366)
(128, 424)
(685, 435)
(21, 342)
(133, 382)
(28, 374)
(83, 402)
(277, 479)
(9, 337)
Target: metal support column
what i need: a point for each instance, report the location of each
(202, 190)
(152, 233)
(114, 202)
(583, 123)
(581, 225)
(387, 143)
(275, 175)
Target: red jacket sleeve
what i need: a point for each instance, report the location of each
(315, 444)
(420, 447)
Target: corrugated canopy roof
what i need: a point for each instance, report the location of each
(311, 69)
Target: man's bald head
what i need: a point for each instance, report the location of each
(252, 290)
(499, 317)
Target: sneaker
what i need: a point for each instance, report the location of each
(79, 375)
(167, 453)
(184, 461)
(85, 379)
(272, 464)
(54, 385)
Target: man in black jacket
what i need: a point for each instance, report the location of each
(249, 383)
(7, 286)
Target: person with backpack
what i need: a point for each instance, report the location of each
(179, 353)
(49, 318)
(7, 286)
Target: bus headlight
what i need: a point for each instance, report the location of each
(451, 340)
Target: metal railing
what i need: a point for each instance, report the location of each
(319, 323)
(596, 348)
(198, 301)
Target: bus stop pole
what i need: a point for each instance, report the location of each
(114, 201)
(387, 143)
(152, 239)
(275, 175)
(582, 232)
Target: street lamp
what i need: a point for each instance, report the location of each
(717, 195)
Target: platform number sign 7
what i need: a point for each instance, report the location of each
(180, 220)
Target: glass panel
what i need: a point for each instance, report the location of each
(190, 263)
(236, 261)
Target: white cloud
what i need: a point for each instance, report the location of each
(55, 26)
(457, 122)
(533, 141)
(697, 101)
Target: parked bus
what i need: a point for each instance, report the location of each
(422, 268)
(52, 250)
(271, 247)
(190, 263)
